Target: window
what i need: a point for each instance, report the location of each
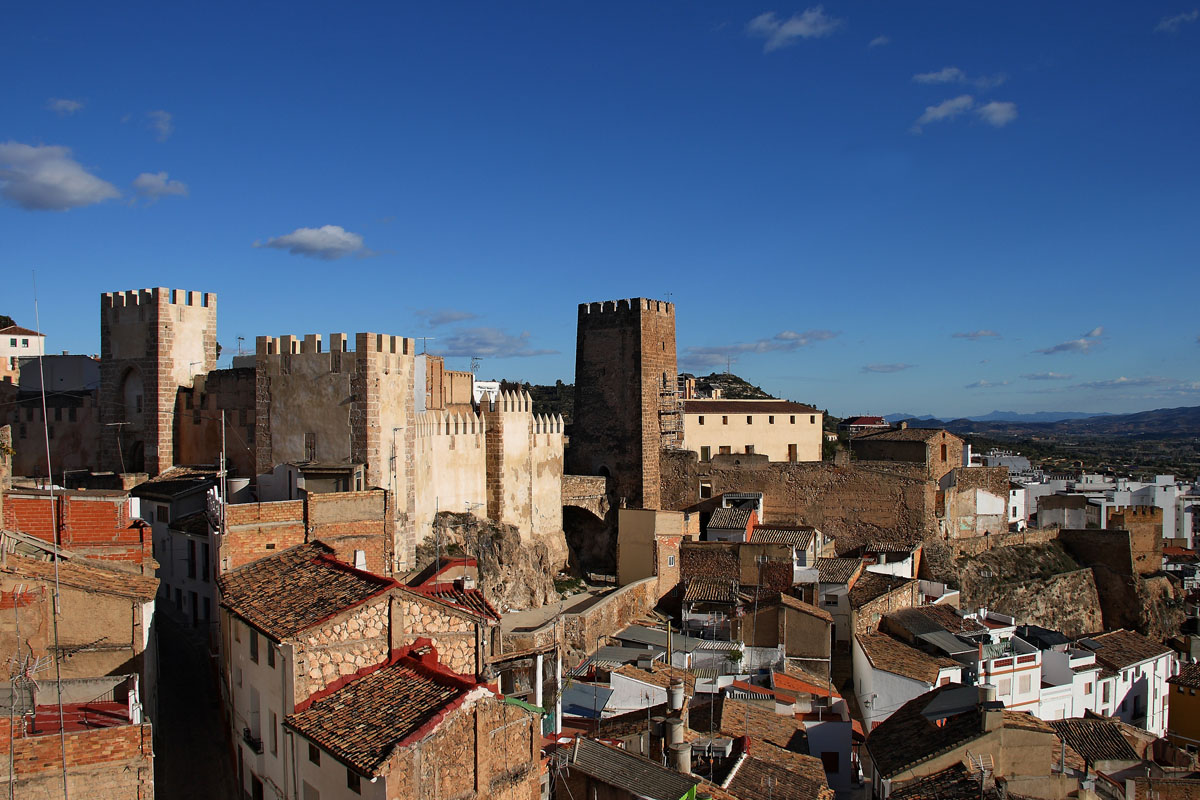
(191, 558)
(829, 600)
(943, 452)
(12, 342)
(793, 453)
(360, 559)
(705, 490)
(207, 610)
(812, 419)
(1087, 688)
(793, 422)
(1014, 511)
(705, 453)
(830, 761)
(700, 420)
(271, 656)
(71, 413)
(1006, 686)
(274, 734)
(314, 754)
(670, 561)
(310, 447)
(724, 420)
(160, 514)
(58, 415)
(310, 793)
(1024, 684)
(749, 449)
(1105, 694)
(254, 645)
(749, 420)
(770, 420)
(49, 431)
(204, 562)
(724, 450)
(353, 782)
(24, 343)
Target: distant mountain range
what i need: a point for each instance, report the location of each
(1161, 422)
(1007, 416)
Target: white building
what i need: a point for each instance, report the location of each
(1017, 514)
(1134, 687)
(17, 343)
(888, 673)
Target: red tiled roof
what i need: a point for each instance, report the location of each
(84, 576)
(284, 594)
(363, 719)
(865, 421)
(17, 330)
(746, 407)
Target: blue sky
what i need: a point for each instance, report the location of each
(938, 207)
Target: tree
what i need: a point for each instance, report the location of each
(6, 321)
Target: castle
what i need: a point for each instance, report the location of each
(365, 412)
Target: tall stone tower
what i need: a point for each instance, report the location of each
(626, 408)
(152, 341)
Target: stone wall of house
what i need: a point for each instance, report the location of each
(866, 617)
(854, 503)
(586, 630)
(455, 635)
(345, 644)
(115, 763)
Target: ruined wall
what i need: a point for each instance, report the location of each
(198, 412)
(976, 502)
(152, 341)
(116, 763)
(74, 430)
(624, 362)
(1145, 527)
(95, 525)
(853, 503)
(866, 617)
(927, 452)
(1068, 602)
(348, 642)
(455, 635)
(587, 630)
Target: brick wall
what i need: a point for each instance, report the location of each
(92, 525)
(256, 530)
(114, 763)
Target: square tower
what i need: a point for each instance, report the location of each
(626, 408)
(152, 341)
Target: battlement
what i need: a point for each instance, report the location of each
(135, 298)
(445, 423)
(623, 307)
(292, 345)
(547, 423)
(508, 402)
(1136, 512)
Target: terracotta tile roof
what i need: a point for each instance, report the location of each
(17, 330)
(470, 600)
(638, 776)
(890, 546)
(1189, 675)
(83, 576)
(730, 518)
(928, 619)
(952, 783)
(892, 655)
(837, 570)
(747, 407)
(659, 675)
(791, 535)
(799, 605)
(1166, 789)
(176, 480)
(386, 706)
(1094, 739)
(903, 435)
(284, 594)
(909, 737)
(864, 421)
(768, 771)
(710, 590)
(1124, 648)
(731, 716)
(794, 686)
(871, 585)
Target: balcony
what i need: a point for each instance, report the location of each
(253, 741)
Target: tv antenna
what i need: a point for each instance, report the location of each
(425, 343)
(475, 362)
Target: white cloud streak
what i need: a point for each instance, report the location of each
(444, 316)
(1173, 24)
(328, 243)
(956, 75)
(880, 41)
(163, 124)
(153, 185)
(1046, 376)
(945, 110)
(985, 384)
(1083, 344)
(46, 178)
(997, 114)
(486, 342)
(975, 336)
(63, 106)
(784, 341)
(813, 23)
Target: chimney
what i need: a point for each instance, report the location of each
(904, 425)
(675, 694)
(681, 757)
(674, 730)
(991, 716)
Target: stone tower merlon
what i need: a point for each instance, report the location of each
(152, 341)
(625, 370)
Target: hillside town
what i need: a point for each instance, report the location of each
(339, 569)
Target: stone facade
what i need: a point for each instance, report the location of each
(74, 430)
(198, 412)
(152, 341)
(351, 641)
(1145, 526)
(457, 637)
(625, 390)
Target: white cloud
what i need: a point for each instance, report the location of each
(1081, 345)
(490, 343)
(813, 23)
(784, 341)
(997, 113)
(947, 109)
(154, 185)
(880, 41)
(984, 384)
(1123, 383)
(63, 106)
(976, 335)
(956, 75)
(885, 368)
(329, 242)
(1046, 376)
(1173, 24)
(163, 124)
(444, 316)
(46, 178)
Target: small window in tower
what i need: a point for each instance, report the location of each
(137, 404)
(749, 420)
(700, 420)
(724, 420)
(793, 420)
(770, 420)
